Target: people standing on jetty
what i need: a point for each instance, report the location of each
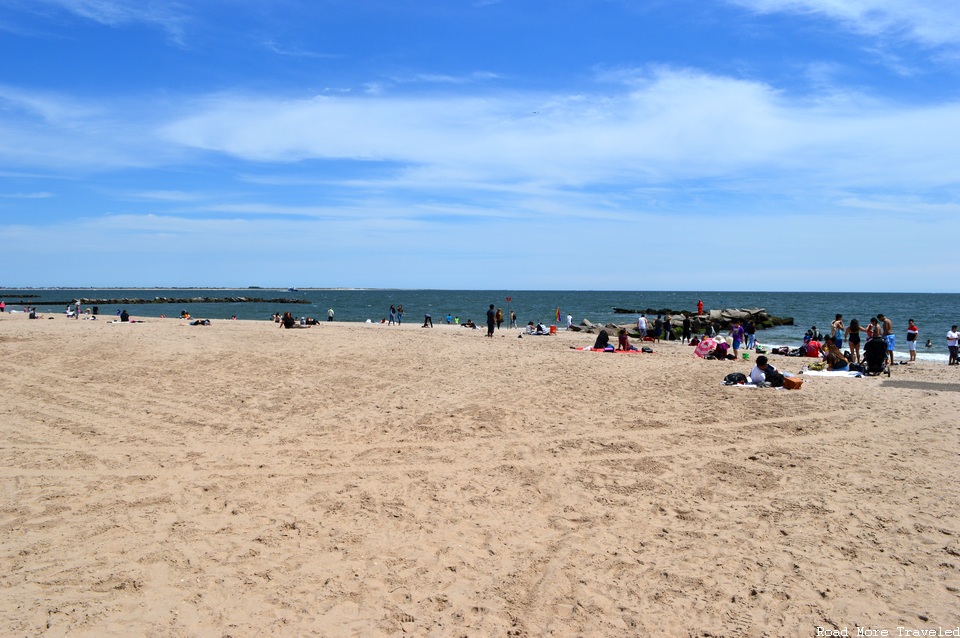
(699, 307)
(886, 329)
(912, 332)
(853, 339)
(491, 320)
(836, 331)
(953, 338)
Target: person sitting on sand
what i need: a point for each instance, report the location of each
(833, 357)
(469, 324)
(623, 341)
(765, 373)
(603, 341)
(288, 321)
(720, 352)
(200, 322)
(124, 316)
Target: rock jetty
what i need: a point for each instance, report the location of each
(721, 319)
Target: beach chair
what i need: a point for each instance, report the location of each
(875, 357)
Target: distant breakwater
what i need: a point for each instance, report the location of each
(127, 301)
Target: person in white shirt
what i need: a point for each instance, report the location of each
(953, 337)
(763, 372)
(642, 326)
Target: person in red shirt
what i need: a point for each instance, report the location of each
(813, 348)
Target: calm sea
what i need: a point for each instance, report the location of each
(933, 313)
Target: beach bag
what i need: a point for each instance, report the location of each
(647, 349)
(735, 378)
(792, 383)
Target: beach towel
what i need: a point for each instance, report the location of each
(832, 373)
(588, 349)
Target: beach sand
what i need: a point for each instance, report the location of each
(161, 479)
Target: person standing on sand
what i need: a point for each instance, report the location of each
(642, 326)
(687, 334)
(330, 315)
(886, 327)
(953, 338)
(499, 317)
(513, 319)
(491, 321)
(736, 331)
(569, 322)
(912, 332)
(853, 339)
(836, 331)
(393, 316)
(399, 313)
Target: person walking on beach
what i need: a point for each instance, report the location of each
(886, 328)
(399, 313)
(642, 326)
(393, 316)
(499, 317)
(513, 319)
(736, 331)
(569, 322)
(491, 321)
(912, 332)
(953, 338)
(853, 338)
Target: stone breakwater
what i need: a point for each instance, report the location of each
(720, 319)
(127, 301)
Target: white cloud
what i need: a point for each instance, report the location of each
(671, 126)
(930, 22)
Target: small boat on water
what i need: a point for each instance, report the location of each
(292, 290)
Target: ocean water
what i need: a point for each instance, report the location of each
(933, 313)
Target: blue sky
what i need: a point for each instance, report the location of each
(513, 144)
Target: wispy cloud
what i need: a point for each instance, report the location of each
(169, 15)
(929, 22)
(26, 195)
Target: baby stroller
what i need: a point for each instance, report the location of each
(875, 357)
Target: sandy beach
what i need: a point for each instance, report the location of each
(162, 479)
